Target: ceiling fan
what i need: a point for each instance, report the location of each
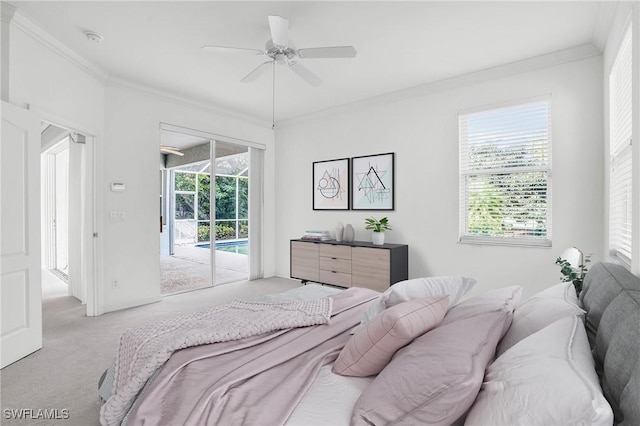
(282, 51)
(171, 150)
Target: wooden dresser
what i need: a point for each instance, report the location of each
(356, 264)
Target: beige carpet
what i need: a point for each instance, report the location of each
(64, 374)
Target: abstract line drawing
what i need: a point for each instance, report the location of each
(331, 184)
(373, 182)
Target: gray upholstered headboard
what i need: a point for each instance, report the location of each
(611, 297)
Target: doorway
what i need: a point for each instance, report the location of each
(66, 163)
(55, 209)
(206, 211)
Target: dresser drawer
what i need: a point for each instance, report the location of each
(304, 252)
(335, 278)
(335, 265)
(370, 268)
(339, 252)
(304, 261)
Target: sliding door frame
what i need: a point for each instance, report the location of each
(256, 197)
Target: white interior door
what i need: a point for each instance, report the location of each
(20, 287)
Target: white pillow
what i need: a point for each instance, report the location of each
(547, 378)
(403, 291)
(539, 311)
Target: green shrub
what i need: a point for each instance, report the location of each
(244, 230)
(204, 233)
(225, 231)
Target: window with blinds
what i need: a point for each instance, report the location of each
(620, 153)
(505, 174)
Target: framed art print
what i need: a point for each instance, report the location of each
(373, 182)
(331, 185)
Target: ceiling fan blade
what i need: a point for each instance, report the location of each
(257, 72)
(305, 73)
(171, 150)
(328, 52)
(279, 30)
(223, 49)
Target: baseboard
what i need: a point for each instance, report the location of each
(131, 304)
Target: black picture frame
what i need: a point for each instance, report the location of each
(373, 182)
(331, 184)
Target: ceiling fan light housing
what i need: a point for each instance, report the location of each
(279, 54)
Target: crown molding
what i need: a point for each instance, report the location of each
(606, 13)
(185, 102)
(26, 25)
(559, 57)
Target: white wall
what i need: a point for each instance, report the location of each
(132, 131)
(423, 132)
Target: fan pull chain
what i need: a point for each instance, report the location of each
(273, 97)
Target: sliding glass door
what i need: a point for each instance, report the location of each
(208, 221)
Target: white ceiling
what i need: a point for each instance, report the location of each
(399, 44)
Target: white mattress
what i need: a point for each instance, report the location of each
(330, 400)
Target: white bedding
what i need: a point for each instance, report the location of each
(330, 400)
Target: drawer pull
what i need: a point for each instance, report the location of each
(334, 258)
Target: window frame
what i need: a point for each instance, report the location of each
(465, 171)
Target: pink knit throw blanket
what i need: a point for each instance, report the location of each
(143, 350)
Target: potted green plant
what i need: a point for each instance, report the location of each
(573, 274)
(378, 227)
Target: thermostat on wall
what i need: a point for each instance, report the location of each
(117, 186)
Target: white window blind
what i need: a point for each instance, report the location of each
(620, 153)
(505, 174)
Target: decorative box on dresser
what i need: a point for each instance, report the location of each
(355, 264)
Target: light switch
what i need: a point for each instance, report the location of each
(117, 186)
(117, 216)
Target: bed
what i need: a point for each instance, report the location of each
(420, 353)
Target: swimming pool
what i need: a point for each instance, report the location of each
(240, 247)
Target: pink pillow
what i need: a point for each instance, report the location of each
(373, 346)
(435, 379)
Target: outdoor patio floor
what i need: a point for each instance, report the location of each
(188, 269)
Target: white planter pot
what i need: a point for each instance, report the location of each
(377, 238)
